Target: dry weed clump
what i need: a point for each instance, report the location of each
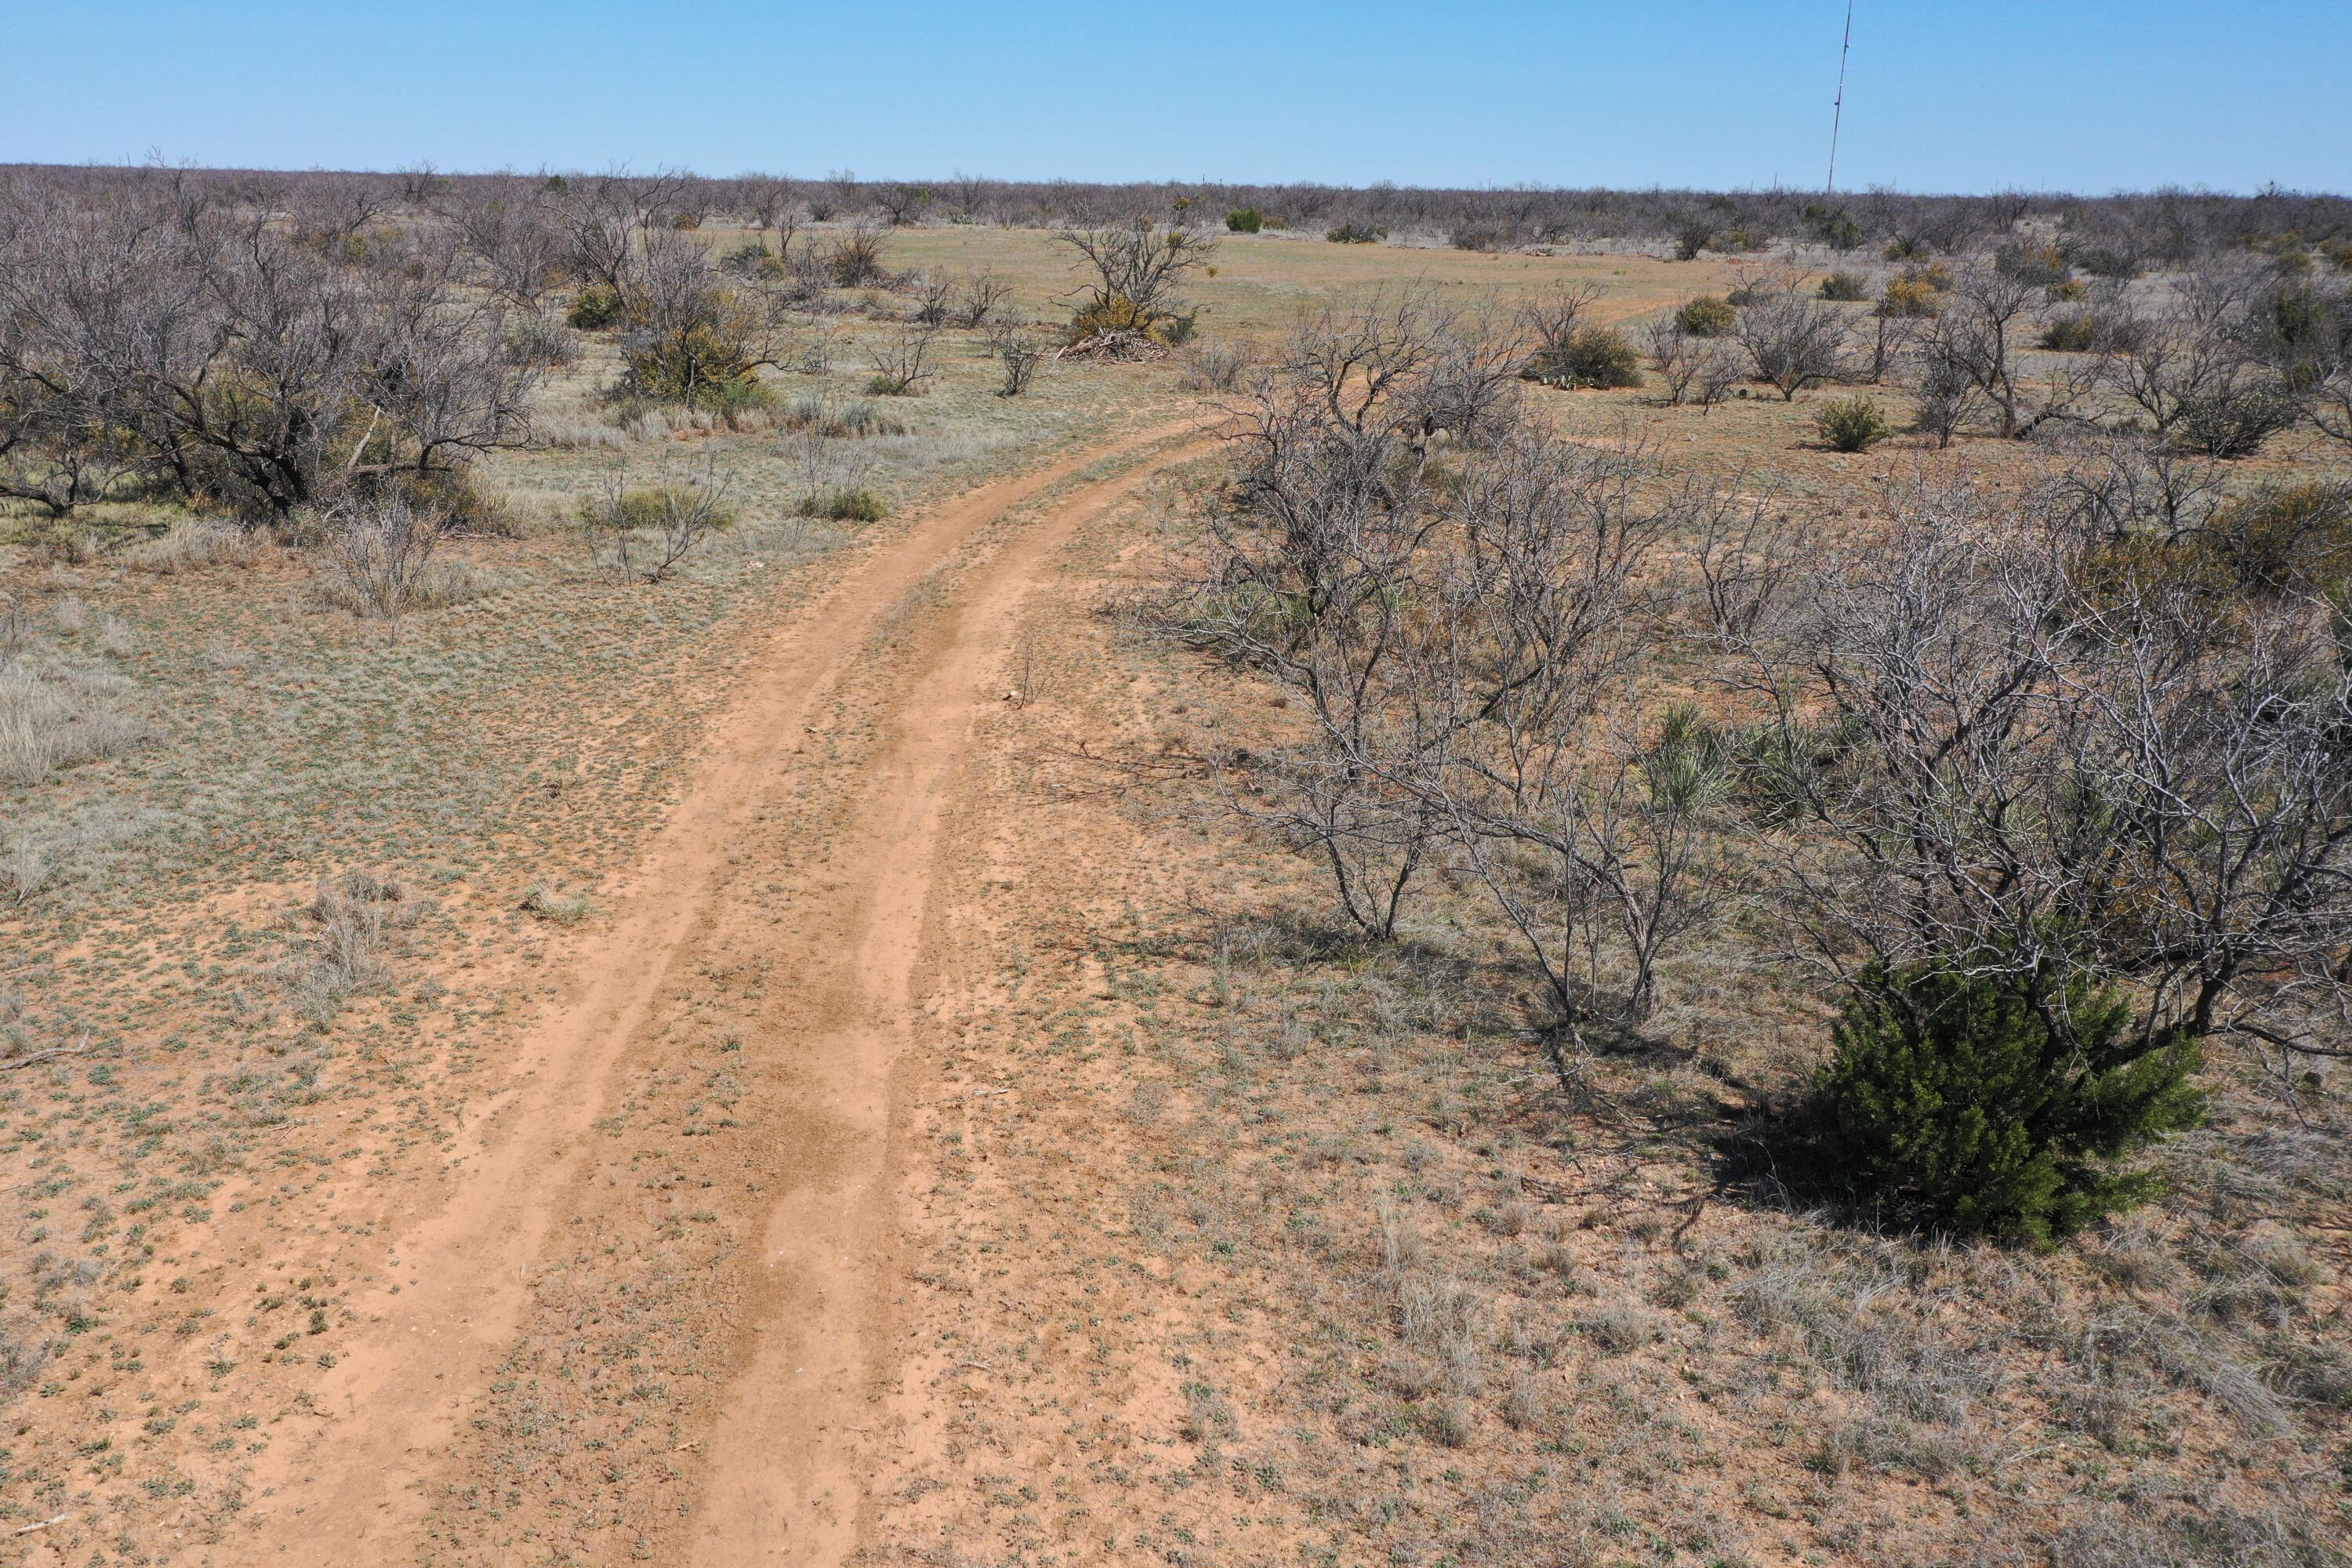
(42, 851)
(1216, 366)
(562, 908)
(193, 544)
(384, 563)
(340, 934)
(56, 712)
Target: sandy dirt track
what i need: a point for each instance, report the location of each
(789, 900)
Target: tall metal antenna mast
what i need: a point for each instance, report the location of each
(1837, 113)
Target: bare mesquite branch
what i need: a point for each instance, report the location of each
(901, 358)
(2007, 756)
(1466, 642)
(1020, 352)
(1793, 338)
(1975, 349)
(1137, 270)
(643, 535)
(2193, 362)
(229, 357)
(381, 549)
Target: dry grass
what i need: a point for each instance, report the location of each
(56, 712)
(193, 544)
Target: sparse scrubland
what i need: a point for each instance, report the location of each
(1595, 878)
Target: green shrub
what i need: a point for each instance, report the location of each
(754, 260)
(2071, 335)
(1846, 286)
(597, 307)
(697, 351)
(2286, 538)
(701, 366)
(1245, 220)
(2235, 423)
(2043, 264)
(1691, 237)
(1120, 315)
(2188, 569)
(1708, 316)
(1592, 356)
(860, 505)
(1354, 233)
(1911, 295)
(1956, 1104)
(1852, 424)
(1832, 226)
(651, 506)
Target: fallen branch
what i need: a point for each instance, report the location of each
(26, 1061)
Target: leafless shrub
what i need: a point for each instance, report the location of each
(980, 297)
(934, 298)
(825, 446)
(901, 360)
(1972, 347)
(643, 535)
(1467, 389)
(222, 355)
(2326, 371)
(2032, 764)
(2193, 364)
(1020, 352)
(1695, 369)
(1463, 649)
(1948, 400)
(381, 553)
(775, 205)
(1139, 270)
(855, 259)
(1794, 339)
(514, 234)
(1554, 319)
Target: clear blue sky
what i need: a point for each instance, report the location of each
(2090, 95)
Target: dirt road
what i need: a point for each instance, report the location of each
(647, 1311)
